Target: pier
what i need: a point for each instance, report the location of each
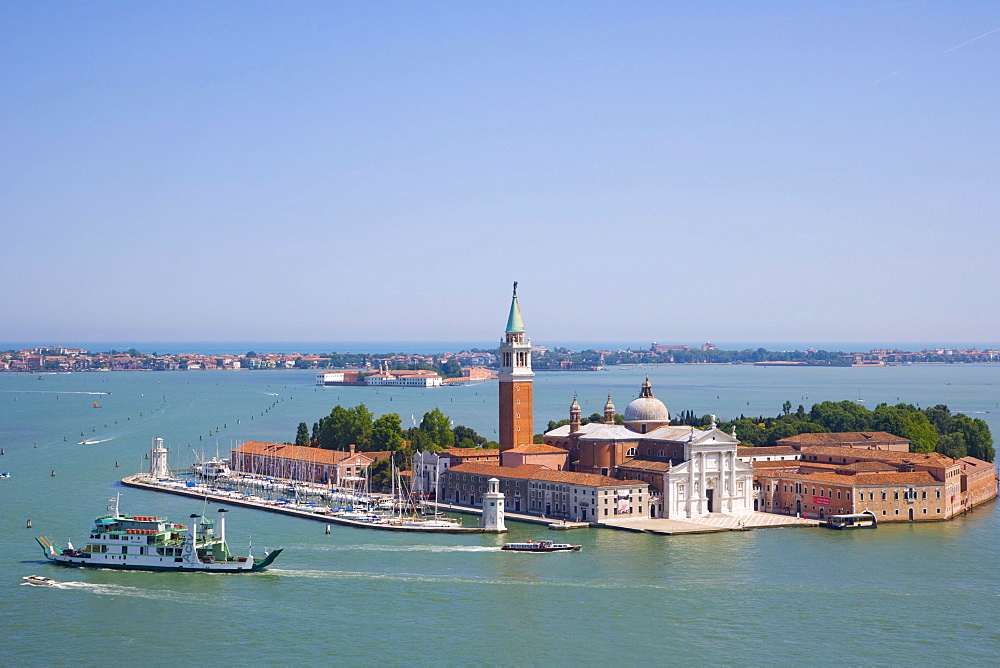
(145, 481)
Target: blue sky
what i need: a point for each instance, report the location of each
(677, 172)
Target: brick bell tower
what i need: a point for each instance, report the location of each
(516, 403)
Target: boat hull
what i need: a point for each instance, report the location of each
(554, 548)
(137, 563)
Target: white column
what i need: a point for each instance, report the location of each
(732, 479)
(690, 495)
(703, 497)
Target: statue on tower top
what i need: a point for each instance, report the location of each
(515, 288)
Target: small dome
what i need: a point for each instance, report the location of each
(610, 405)
(575, 406)
(646, 409)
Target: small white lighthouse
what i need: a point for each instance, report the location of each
(158, 461)
(493, 508)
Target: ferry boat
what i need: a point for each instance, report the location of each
(863, 520)
(540, 546)
(38, 580)
(148, 543)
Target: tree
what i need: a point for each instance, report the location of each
(346, 426)
(468, 435)
(786, 407)
(387, 433)
(438, 427)
(977, 436)
(302, 435)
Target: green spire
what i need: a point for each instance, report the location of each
(514, 322)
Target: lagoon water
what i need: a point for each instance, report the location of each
(920, 593)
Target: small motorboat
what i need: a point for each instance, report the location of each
(540, 546)
(38, 580)
(5, 474)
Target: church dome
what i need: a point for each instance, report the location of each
(646, 410)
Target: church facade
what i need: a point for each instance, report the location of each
(692, 472)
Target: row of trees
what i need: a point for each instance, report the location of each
(357, 426)
(934, 429)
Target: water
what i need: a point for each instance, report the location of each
(907, 593)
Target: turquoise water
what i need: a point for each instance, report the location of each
(908, 593)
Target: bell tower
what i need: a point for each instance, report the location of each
(516, 403)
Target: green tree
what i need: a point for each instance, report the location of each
(977, 436)
(438, 427)
(953, 445)
(387, 433)
(302, 435)
(466, 435)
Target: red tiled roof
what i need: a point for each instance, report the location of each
(972, 466)
(645, 465)
(928, 459)
(537, 448)
(304, 454)
(766, 450)
(830, 438)
(471, 452)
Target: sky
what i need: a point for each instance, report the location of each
(647, 171)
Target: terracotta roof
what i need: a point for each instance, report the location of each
(930, 458)
(645, 465)
(972, 466)
(535, 472)
(858, 467)
(537, 448)
(472, 452)
(778, 464)
(843, 437)
(763, 451)
(301, 453)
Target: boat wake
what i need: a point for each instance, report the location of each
(53, 392)
(103, 589)
(404, 548)
(421, 577)
(95, 441)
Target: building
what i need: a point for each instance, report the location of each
(404, 378)
(692, 472)
(295, 462)
(897, 486)
(516, 423)
(536, 490)
(429, 466)
(868, 440)
(533, 478)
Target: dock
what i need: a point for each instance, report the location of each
(144, 481)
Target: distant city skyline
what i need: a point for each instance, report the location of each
(315, 171)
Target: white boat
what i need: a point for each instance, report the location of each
(540, 546)
(38, 580)
(213, 468)
(149, 543)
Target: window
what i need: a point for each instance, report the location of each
(883, 495)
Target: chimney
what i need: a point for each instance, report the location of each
(352, 450)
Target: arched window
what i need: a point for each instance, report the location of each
(630, 452)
